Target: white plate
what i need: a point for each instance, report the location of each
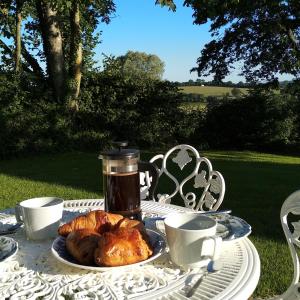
(8, 248)
(60, 252)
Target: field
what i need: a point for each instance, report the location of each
(210, 90)
(192, 106)
(195, 96)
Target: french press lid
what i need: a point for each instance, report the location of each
(120, 160)
(120, 153)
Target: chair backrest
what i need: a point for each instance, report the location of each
(202, 188)
(292, 206)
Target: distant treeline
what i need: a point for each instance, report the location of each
(240, 84)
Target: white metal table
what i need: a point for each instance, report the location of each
(33, 273)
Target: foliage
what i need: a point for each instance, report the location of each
(236, 92)
(202, 82)
(169, 3)
(149, 113)
(293, 89)
(138, 110)
(111, 107)
(263, 35)
(256, 121)
(136, 65)
(30, 122)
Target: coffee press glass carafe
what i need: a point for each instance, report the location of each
(121, 180)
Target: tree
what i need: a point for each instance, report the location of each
(53, 45)
(139, 65)
(200, 81)
(19, 4)
(10, 27)
(59, 32)
(264, 35)
(76, 44)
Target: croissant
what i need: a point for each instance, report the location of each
(96, 220)
(81, 244)
(127, 223)
(121, 247)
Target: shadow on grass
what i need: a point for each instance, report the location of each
(77, 170)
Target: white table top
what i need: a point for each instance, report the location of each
(33, 272)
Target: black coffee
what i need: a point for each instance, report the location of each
(122, 194)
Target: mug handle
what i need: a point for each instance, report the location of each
(18, 213)
(217, 246)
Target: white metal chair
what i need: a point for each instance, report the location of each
(208, 186)
(292, 206)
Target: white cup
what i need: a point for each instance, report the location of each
(41, 216)
(192, 239)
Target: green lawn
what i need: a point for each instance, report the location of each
(256, 186)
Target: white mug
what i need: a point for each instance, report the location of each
(41, 216)
(192, 239)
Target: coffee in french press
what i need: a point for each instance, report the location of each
(121, 180)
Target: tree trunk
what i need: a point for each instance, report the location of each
(53, 47)
(76, 49)
(18, 36)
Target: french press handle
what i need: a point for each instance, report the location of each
(153, 172)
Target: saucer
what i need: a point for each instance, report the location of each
(8, 248)
(231, 228)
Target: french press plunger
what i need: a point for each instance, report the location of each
(121, 180)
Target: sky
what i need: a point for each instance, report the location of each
(140, 25)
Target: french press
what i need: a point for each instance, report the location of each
(121, 180)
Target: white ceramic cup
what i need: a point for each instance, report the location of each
(41, 216)
(192, 239)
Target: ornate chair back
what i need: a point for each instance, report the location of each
(292, 206)
(199, 186)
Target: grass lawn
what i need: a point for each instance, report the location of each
(256, 186)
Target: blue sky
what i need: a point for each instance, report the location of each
(140, 25)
